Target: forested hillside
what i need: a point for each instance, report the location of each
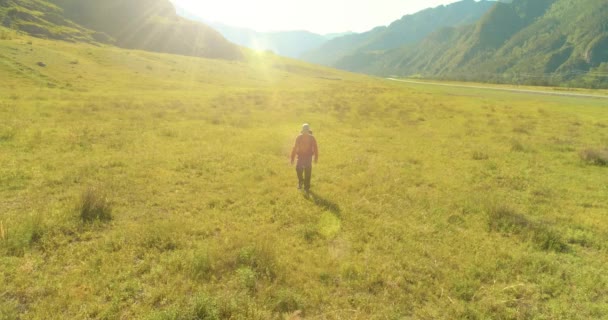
(547, 42)
(149, 25)
(409, 29)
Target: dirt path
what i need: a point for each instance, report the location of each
(550, 93)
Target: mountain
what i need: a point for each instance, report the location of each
(286, 43)
(151, 25)
(409, 29)
(331, 36)
(45, 20)
(547, 42)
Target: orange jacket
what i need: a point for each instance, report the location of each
(305, 146)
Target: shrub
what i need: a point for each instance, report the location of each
(260, 258)
(505, 220)
(7, 134)
(286, 301)
(517, 146)
(94, 206)
(9, 309)
(247, 278)
(169, 314)
(201, 307)
(310, 233)
(161, 236)
(6, 35)
(549, 240)
(595, 157)
(465, 289)
(523, 129)
(16, 240)
(478, 155)
(580, 237)
(205, 308)
(202, 266)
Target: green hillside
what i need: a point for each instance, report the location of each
(407, 30)
(43, 19)
(549, 42)
(149, 25)
(138, 185)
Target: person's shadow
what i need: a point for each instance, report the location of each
(322, 202)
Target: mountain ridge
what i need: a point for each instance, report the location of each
(289, 43)
(407, 30)
(151, 25)
(286, 43)
(547, 42)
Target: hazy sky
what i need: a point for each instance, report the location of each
(320, 16)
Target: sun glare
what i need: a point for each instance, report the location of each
(318, 16)
(236, 13)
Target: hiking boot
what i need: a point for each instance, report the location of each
(300, 186)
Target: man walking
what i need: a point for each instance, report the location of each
(305, 147)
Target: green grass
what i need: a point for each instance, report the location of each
(428, 202)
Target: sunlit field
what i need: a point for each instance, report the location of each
(136, 185)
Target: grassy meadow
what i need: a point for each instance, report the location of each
(136, 185)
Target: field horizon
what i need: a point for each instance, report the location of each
(138, 185)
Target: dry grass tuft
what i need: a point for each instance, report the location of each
(94, 206)
(598, 157)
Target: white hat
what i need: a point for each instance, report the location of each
(305, 128)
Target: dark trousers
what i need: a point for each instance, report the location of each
(304, 176)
